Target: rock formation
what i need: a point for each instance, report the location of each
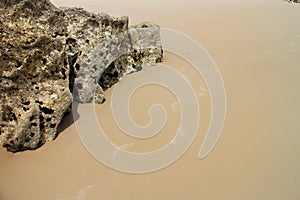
(41, 51)
(295, 1)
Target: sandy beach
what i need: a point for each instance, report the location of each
(256, 46)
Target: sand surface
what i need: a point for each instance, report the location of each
(256, 46)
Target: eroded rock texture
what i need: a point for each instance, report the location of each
(113, 58)
(42, 48)
(295, 1)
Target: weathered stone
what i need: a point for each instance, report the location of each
(41, 51)
(145, 50)
(34, 91)
(294, 1)
(85, 31)
(114, 57)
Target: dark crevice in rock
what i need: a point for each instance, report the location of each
(46, 110)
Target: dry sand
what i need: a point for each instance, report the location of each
(256, 46)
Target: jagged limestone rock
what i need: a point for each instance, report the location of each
(145, 50)
(85, 31)
(295, 1)
(114, 57)
(34, 91)
(41, 51)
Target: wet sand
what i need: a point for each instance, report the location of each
(256, 46)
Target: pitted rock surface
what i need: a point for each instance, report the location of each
(114, 57)
(42, 49)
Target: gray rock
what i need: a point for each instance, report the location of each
(293, 1)
(114, 57)
(42, 50)
(145, 49)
